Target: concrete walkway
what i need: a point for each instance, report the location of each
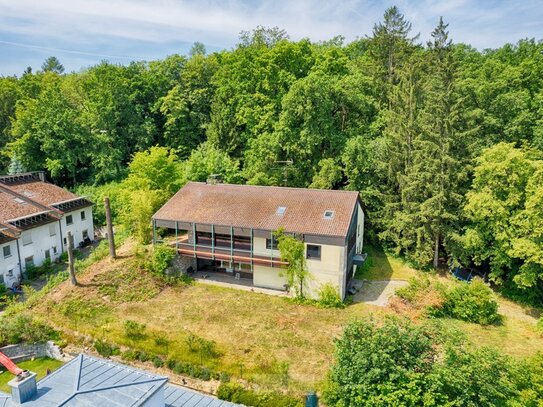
(376, 292)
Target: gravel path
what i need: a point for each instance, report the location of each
(376, 292)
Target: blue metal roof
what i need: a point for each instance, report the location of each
(89, 381)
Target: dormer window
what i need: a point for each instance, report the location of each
(328, 214)
(281, 210)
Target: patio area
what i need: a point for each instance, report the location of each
(229, 281)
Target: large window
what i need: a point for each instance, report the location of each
(242, 242)
(271, 244)
(29, 261)
(69, 219)
(313, 252)
(7, 251)
(83, 216)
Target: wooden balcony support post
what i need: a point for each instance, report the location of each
(212, 242)
(231, 244)
(194, 239)
(176, 235)
(252, 248)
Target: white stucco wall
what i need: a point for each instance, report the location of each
(42, 241)
(329, 269)
(78, 225)
(268, 277)
(9, 263)
(44, 238)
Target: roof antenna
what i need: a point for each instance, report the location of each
(285, 167)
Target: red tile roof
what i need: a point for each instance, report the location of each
(25, 195)
(43, 192)
(256, 207)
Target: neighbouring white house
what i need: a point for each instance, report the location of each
(229, 229)
(35, 217)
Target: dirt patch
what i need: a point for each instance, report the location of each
(377, 292)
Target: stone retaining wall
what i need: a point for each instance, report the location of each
(22, 352)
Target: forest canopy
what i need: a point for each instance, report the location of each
(444, 142)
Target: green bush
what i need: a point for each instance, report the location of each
(539, 325)
(160, 259)
(329, 297)
(134, 330)
(415, 288)
(472, 302)
(158, 362)
(236, 393)
(106, 349)
(22, 328)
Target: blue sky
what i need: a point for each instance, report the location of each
(84, 32)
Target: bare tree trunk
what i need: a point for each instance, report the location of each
(71, 262)
(110, 236)
(436, 252)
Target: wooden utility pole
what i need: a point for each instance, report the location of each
(110, 236)
(71, 261)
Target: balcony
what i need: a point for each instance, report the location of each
(225, 250)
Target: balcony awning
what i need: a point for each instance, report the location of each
(359, 258)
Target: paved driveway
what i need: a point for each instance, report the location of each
(376, 292)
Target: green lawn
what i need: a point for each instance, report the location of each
(38, 366)
(381, 265)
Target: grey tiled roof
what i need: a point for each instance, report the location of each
(88, 381)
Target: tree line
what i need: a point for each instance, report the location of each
(444, 142)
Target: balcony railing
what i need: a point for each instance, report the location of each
(235, 253)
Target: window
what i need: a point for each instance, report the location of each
(242, 243)
(281, 210)
(29, 261)
(65, 241)
(313, 252)
(85, 234)
(2, 281)
(27, 238)
(10, 273)
(54, 250)
(7, 251)
(328, 214)
(271, 245)
(19, 200)
(83, 215)
(52, 229)
(48, 254)
(69, 219)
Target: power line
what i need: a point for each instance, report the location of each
(67, 51)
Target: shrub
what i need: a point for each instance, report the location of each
(22, 328)
(539, 325)
(472, 302)
(158, 362)
(416, 287)
(236, 393)
(129, 355)
(160, 259)
(134, 330)
(106, 349)
(329, 297)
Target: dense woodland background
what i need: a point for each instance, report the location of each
(443, 141)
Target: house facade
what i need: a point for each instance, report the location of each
(230, 229)
(35, 217)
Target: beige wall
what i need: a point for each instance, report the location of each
(329, 269)
(268, 277)
(259, 248)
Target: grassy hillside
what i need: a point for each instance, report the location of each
(256, 335)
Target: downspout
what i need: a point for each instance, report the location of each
(19, 256)
(61, 240)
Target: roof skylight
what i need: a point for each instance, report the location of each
(281, 210)
(328, 214)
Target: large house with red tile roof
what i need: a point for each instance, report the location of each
(35, 218)
(230, 229)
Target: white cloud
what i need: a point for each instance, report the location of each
(138, 27)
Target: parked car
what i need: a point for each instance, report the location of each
(468, 274)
